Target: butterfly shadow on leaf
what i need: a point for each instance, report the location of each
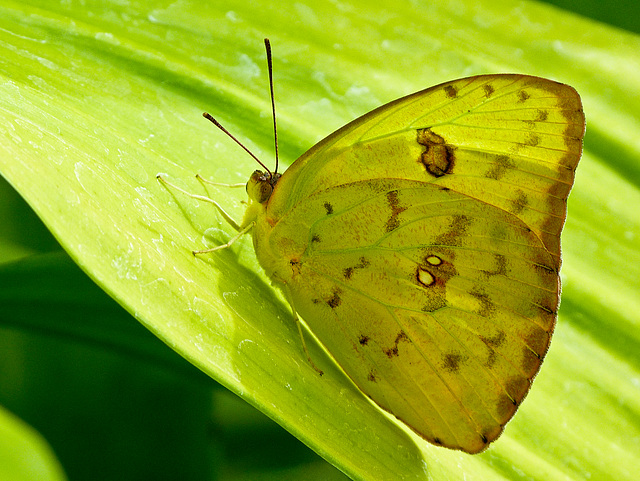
(282, 383)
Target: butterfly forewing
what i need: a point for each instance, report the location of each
(511, 140)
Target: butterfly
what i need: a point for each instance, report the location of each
(420, 243)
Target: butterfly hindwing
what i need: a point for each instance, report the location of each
(439, 307)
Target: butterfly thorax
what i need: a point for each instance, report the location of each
(259, 189)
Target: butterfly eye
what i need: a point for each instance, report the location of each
(265, 191)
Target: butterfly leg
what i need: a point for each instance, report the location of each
(226, 216)
(218, 184)
(299, 324)
(228, 244)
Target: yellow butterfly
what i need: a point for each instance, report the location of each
(420, 243)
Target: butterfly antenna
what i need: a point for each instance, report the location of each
(217, 124)
(267, 45)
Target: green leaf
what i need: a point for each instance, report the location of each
(24, 454)
(96, 100)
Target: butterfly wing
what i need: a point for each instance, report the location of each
(420, 243)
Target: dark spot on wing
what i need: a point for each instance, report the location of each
(530, 362)
(457, 228)
(434, 303)
(402, 336)
(488, 90)
(542, 116)
(437, 156)
(520, 202)
(328, 207)
(500, 268)
(538, 341)
(523, 96)
(487, 307)
(491, 358)
(532, 140)
(393, 351)
(335, 300)
(432, 276)
(505, 406)
(517, 387)
(348, 272)
(363, 340)
(493, 343)
(296, 265)
(451, 361)
(396, 209)
(500, 166)
(450, 91)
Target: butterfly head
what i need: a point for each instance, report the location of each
(260, 186)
